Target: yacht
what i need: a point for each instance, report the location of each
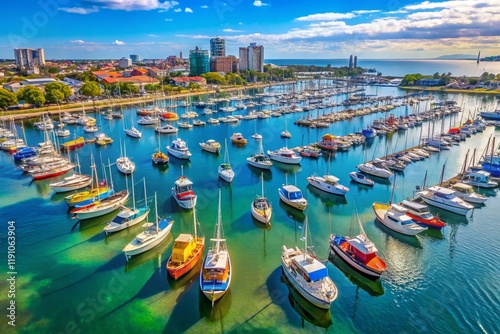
(285, 155)
(327, 183)
(292, 196)
(211, 146)
(179, 149)
(421, 215)
(133, 132)
(445, 199)
(370, 169)
(465, 192)
(479, 179)
(167, 128)
(394, 217)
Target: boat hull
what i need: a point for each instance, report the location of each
(214, 291)
(326, 187)
(354, 264)
(380, 211)
(61, 189)
(297, 205)
(252, 163)
(111, 228)
(97, 211)
(285, 160)
(177, 154)
(182, 270)
(310, 298)
(261, 218)
(446, 207)
(150, 245)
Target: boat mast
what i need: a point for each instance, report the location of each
(145, 197)
(305, 238)
(133, 191)
(156, 208)
(194, 219)
(393, 187)
(262, 183)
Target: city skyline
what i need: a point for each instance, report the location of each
(102, 29)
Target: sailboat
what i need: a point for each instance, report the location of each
(260, 160)
(308, 275)
(124, 164)
(129, 216)
(102, 207)
(186, 253)
(225, 171)
(151, 237)
(73, 182)
(215, 276)
(292, 196)
(359, 252)
(261, 208)
(285, 133)
(159, 158)
(97, 192)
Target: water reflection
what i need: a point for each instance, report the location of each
(292, 212)
(152, 256)
(328, 199)
(217, 310)
(406, 239)
(373, 287)
(314, 315)
(287, 168)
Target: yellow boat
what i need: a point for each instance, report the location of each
(73, 144)
(87, 197)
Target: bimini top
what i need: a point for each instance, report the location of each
(314, 269)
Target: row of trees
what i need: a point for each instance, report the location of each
(445, 78)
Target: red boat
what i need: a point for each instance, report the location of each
(145, 112)
(169, 116)
(52, 172)
(421, 215)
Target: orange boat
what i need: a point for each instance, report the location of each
(186, 253)
(170, 116)
(421, 215)
(328, 143)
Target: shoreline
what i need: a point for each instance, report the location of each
(451, 90)
(91, 108)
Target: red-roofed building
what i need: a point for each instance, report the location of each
(105, 74)
(185, 81)
(138, 72)
(136, 80)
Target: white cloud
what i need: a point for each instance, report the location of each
(326, 17)
(169, 20)
(231, 30)
(177, 10)
(131, 5)
(188, 10)
(79, 10)
(117, 42)
(154, 35)
(361, 12)
(77, 41)
(258, 3)
(204, 6)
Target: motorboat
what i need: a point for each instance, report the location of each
(216, 272)
(421, 215)
(213, 121)
(292, 196)
(327, 183)
(70, 183)
(151, 237)
(183, 192)
(198, 122)
(285, 155)
(359, 253)
(133, 132)
(229, 119)
(328, 143)
(308, 275)
(445, 199)
(102, 139)
(73, 144)
(167, 128)
(186, 252)
(211, 146)
(148, 120)
(361, 178)
(159, 158)
(261, 209)
(179, 149)
(369, 132)
(394, 217)
(238, 139)
(370, 169)
(481, 179)
(185, 125)
(286, 134)
(465, 192)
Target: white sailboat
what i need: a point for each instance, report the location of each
(124, 164)
(225, 171)
(73, 182)
(261, 208)
(215, 276)
(260, 160)
(308, 275)
(151, 237)
(129, 216)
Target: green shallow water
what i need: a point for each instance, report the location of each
(71, 277)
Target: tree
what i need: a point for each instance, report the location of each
(53, 70)
(56, 92)
(91, 88)
(32, 95)
(7, 98)
(215, 78)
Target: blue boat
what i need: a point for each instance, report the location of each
(491, 115)
(493, 169)
(369, 132)
(26, 152)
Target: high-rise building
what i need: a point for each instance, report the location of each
(355, 61)
(135, 58)
(199, 61)
(227, 64)
(351, 62)
(252, 58)
(29, 57)
(125, 62)
(217, 47)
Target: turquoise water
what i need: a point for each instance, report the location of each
(71, 277)
(401, 67)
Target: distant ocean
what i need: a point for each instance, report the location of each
(401, 67)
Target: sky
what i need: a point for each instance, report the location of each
(288, 29)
